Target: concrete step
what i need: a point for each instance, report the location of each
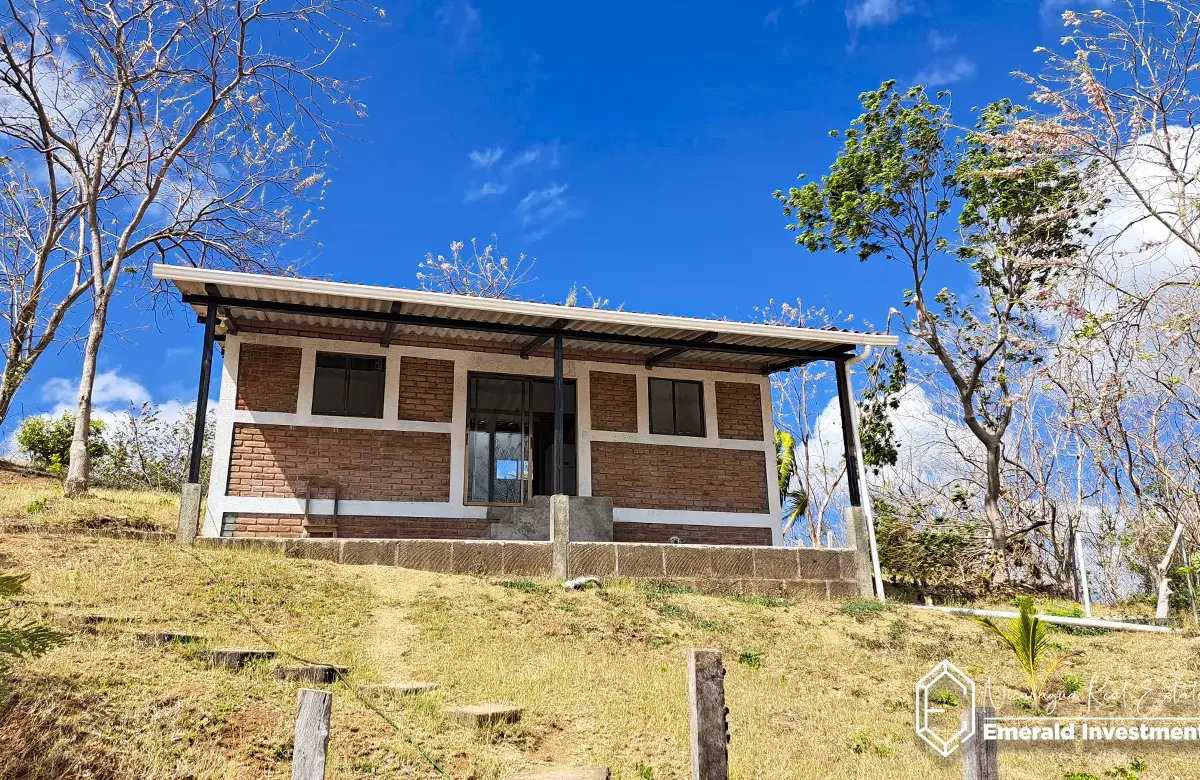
(317, 673)
(397, 689)
(483, 716)
(90, 622)
(234, 658)
(156, 638)
(576, 773)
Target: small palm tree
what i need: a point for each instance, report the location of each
(1029, 639)
(793, 499)
(24, 638)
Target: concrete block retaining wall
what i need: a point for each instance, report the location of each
(783, 571)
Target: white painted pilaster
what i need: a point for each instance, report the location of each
(218, 478)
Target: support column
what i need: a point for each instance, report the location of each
(557, 481)
(189, 503)
(856, 526)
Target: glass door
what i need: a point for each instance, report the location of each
(497, 440)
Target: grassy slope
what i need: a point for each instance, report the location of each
(33, 499)
(600, 673)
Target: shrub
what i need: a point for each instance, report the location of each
(751, 658)
(47, 442)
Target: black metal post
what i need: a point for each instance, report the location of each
(210, 326)
(558, 416)
(845, 401)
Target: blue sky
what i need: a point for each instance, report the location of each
(631, 147)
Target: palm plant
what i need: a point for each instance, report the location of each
(1029, 639)
(793, 499)
(21, 638)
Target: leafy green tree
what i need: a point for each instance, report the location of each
(911, 187)
(792, 497)
(47, 442)
(21, 638)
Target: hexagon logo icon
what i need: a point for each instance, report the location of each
(945, 686)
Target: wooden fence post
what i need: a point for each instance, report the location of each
(312, 734)
(981, 759)
(710, 729)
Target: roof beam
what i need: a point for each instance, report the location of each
(671, 352)
(386, 339)
(539, 341)
(222, 311)
(363, 315)
(786, 365)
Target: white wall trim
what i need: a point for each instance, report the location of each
(692, 517)
(218, 478)
(334, 421)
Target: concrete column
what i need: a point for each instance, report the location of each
(189, 513)
(560, 536)
(860, 540)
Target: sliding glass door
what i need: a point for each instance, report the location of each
(510, 437)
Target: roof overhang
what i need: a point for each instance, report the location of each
(525, 326)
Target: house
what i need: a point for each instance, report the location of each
(362, 411)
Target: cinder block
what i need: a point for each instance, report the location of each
(531, 559)
(682, 560)
(819, 564)
(315, 549)
(425, 555)
(840, 589)
(378, 552)
(733, 562)
(776, 563)
(847, 566)
(476, 558)
(640, 560)
(804, 589)
(593, 559)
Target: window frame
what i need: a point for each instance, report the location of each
(703, 434)
(378, 412)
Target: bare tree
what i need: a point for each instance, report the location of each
(194, 132)
(484, 275)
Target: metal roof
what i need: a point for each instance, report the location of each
(315, 303)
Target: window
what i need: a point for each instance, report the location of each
(676, 407)
(348, 385)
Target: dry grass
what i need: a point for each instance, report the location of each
(34, 499)
(601, 673)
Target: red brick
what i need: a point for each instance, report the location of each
(614, 402)
(652, 476)
(739, 411)
(268, 378)
(426, 389)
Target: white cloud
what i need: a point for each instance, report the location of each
(110, 388)
(485, 190)
(939, 41)
(542, 210)
(874, 13)
(771, 20)
(945, 73)
(547, 154)
(487, 158)
(463, 18)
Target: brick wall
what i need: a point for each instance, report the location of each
(739, 411)
(276, 461)
(614, 402)
(661, 533)
(426, 389)
(362, 527)
(651, 476)
(268, 378)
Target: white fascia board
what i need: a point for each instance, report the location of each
(500, 306)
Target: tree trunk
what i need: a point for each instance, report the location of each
(991, 499)
(80, 466)
(1163, 575)
(14, 375)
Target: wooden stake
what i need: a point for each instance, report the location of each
(981, 760)
(312, 734)
(710, 729)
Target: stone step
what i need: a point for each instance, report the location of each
(483, 716)
(234, 658)
(90, 622)
(156, 638)
(398, 689)
(577, 773)
(317, 673)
